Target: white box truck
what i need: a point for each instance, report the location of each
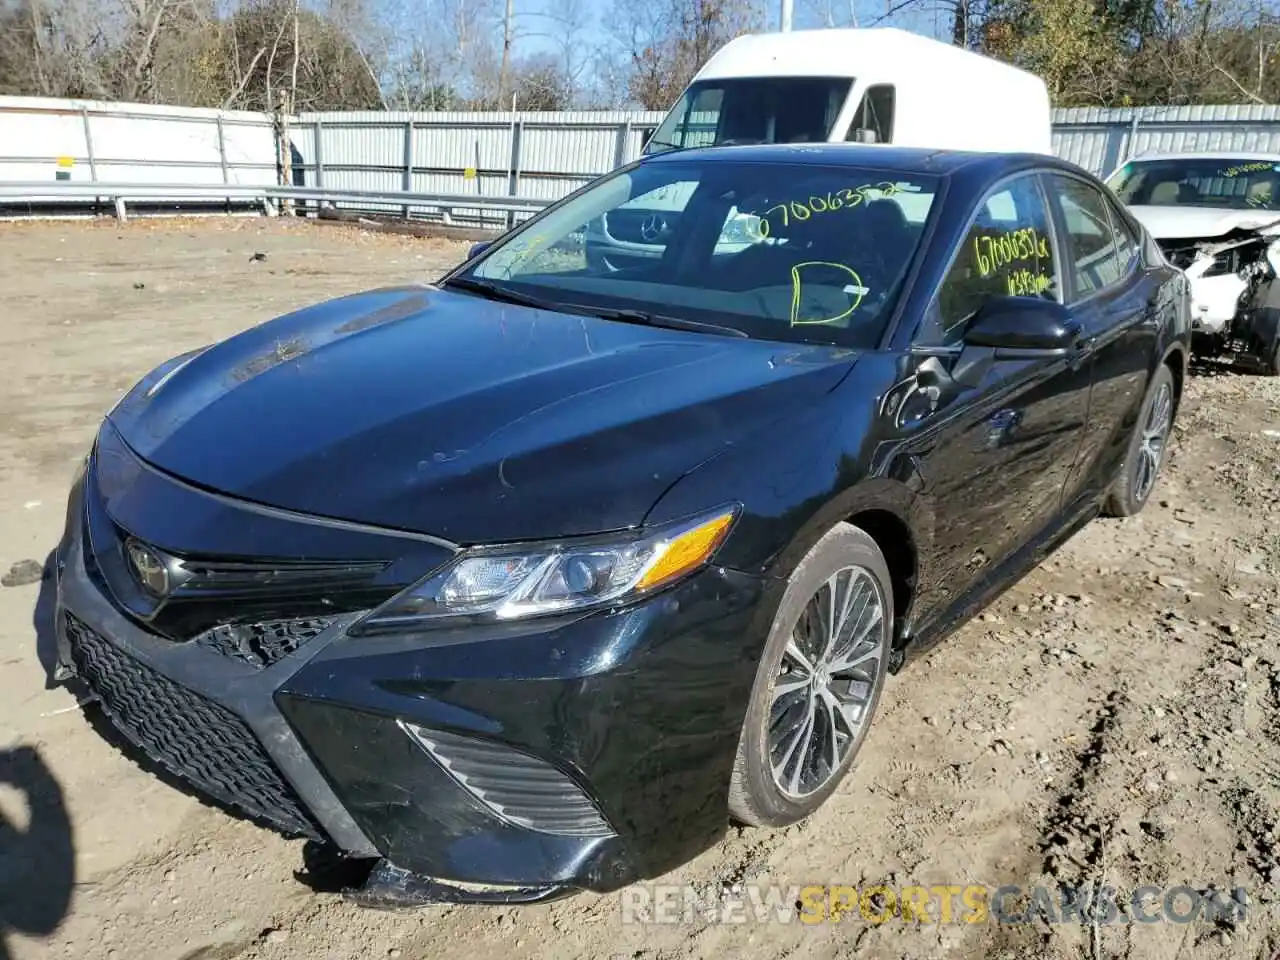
(873, 85)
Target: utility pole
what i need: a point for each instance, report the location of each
(504, 70)
(785, 17)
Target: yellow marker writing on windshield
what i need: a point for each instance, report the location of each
(853, 288)
(844, 198)
(1246, 168)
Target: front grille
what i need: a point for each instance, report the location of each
(274, 576)
(1180, 253)
(1183, 253)
(195, 739)
(262, 644)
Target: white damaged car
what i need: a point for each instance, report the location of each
(1216, 217)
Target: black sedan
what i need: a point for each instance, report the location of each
(534, 579)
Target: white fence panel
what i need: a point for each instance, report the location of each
(85, 140)
(536, 155)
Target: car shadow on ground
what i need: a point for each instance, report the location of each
(37, 848)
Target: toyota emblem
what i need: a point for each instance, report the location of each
(149, 569)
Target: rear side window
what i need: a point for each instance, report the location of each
(1093, 243)
(1008, 251)
(875, 113)
(1126, 239)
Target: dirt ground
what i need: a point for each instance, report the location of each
(1114, 718)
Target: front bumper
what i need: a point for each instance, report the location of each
(1215, 301)
(636, 710)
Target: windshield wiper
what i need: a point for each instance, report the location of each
(495, 291)
(660, 320)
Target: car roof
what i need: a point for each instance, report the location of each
(918, 160)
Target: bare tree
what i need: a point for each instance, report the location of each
(1241, 48)
(569, 21)
(668, 40)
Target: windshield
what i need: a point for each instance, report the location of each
(752, 110)
(1232, 184)
(781, 252)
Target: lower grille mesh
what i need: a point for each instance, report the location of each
(192, 737)
(262, 644)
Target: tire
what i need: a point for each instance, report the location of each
(1147, 446)
(849, 557)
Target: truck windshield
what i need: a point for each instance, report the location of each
(1223, 182)
(801, 253)
(752, 110)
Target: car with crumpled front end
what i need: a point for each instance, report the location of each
(1216, 216)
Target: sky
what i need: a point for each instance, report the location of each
(926, 17)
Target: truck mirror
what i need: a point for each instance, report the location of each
(864, 135)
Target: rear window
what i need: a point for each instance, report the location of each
(1230, 183)
(753, 110)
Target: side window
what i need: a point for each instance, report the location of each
(1126, 239)
(875, 113)
(1008, 251)
(1090, 241)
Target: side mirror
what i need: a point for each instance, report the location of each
(1023, 327)
(478, 248)
(865, 135)
(1003, 328)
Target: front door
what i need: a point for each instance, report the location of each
(995, 458)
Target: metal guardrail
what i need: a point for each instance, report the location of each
(269, 198)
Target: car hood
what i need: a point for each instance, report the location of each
(1185, 223)
(439, 412)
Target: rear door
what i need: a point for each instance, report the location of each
(1113, 296)
(996, 456)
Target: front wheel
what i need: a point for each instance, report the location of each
(1146, 450)
(818, 682)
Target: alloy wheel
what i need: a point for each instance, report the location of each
(820, 698)
(1155, 434)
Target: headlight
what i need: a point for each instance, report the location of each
(529, 580)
